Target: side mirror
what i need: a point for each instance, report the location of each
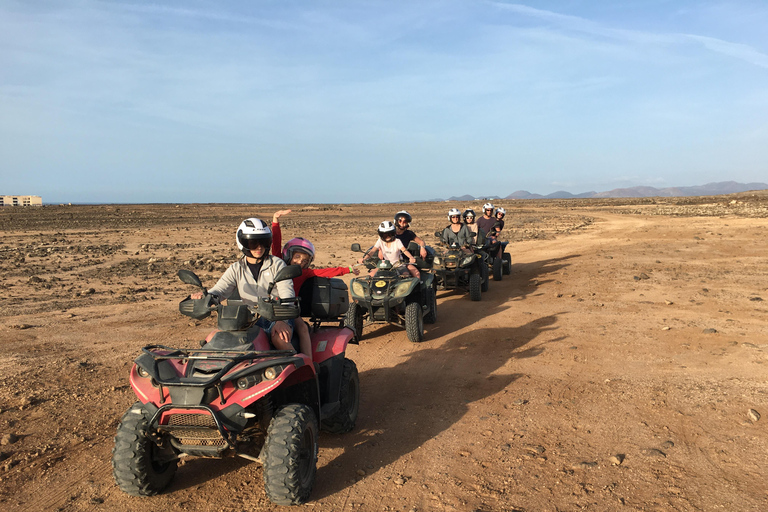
(356, 248)
(189, 277)
(288, 272)
(439, 234)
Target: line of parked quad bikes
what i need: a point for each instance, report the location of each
(237, 395)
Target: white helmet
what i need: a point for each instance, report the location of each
(488, 206)
(404, 215)
(386, 229)
(253, 229)
(453, 212)
(501, 211)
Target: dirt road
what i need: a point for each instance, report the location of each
(621, 366)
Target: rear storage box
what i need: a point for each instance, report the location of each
(328, 299)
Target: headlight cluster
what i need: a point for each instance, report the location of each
(142, 372)
(401, 290)
(357, 289)
(437, 260)
(269, 373)
(467, 261)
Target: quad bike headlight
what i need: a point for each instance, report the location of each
(357, 289)
(401, 290)
(437, 260)
(467, 261)
(248, 381)
(142, 372)
(272, 372)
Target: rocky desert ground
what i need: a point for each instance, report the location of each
(620, 367)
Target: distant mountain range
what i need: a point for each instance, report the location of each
(710, 189)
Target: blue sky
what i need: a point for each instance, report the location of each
(376, 101)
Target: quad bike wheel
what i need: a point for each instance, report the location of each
(414, 322)
(507, 263)
(140, 467)
(431, 317)
(484, 276)
(345, 418)
(475, 284)
(290, 455)
(354, 319)
(498, 263)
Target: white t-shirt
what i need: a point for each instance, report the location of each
(391, 250)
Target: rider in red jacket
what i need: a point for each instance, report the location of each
(300, 251)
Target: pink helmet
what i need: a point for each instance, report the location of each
(298, 244)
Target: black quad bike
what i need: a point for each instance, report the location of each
(454, 269)
(498, 266)
(392, 298)
(236, 395)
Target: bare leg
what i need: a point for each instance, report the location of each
(282, 342)
(414, 271)
(304, 341)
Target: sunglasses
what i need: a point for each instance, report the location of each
(253, 244)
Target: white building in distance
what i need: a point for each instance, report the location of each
(21, 201)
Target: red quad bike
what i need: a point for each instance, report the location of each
(236, 395)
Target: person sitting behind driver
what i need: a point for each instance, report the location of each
(251, 276)
(300, 251)
(390, 248)
(402, 223)
(469, 222)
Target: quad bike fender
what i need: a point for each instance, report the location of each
(329, 343)
(330, 376)
(428, 278)
(402, 295)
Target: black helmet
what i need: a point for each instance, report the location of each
(469, 212)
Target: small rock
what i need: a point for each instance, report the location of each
(21, 327)
(756, 299)
(360, 472)
(584, 465)
(666, 328)
(709, 330)
(667, 445)
(753, 415)
(400, 480)
(88, 291)
(654, 452)
(8, 439)
(617, 459)
(668, 302)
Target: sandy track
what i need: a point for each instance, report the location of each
(614, 369)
